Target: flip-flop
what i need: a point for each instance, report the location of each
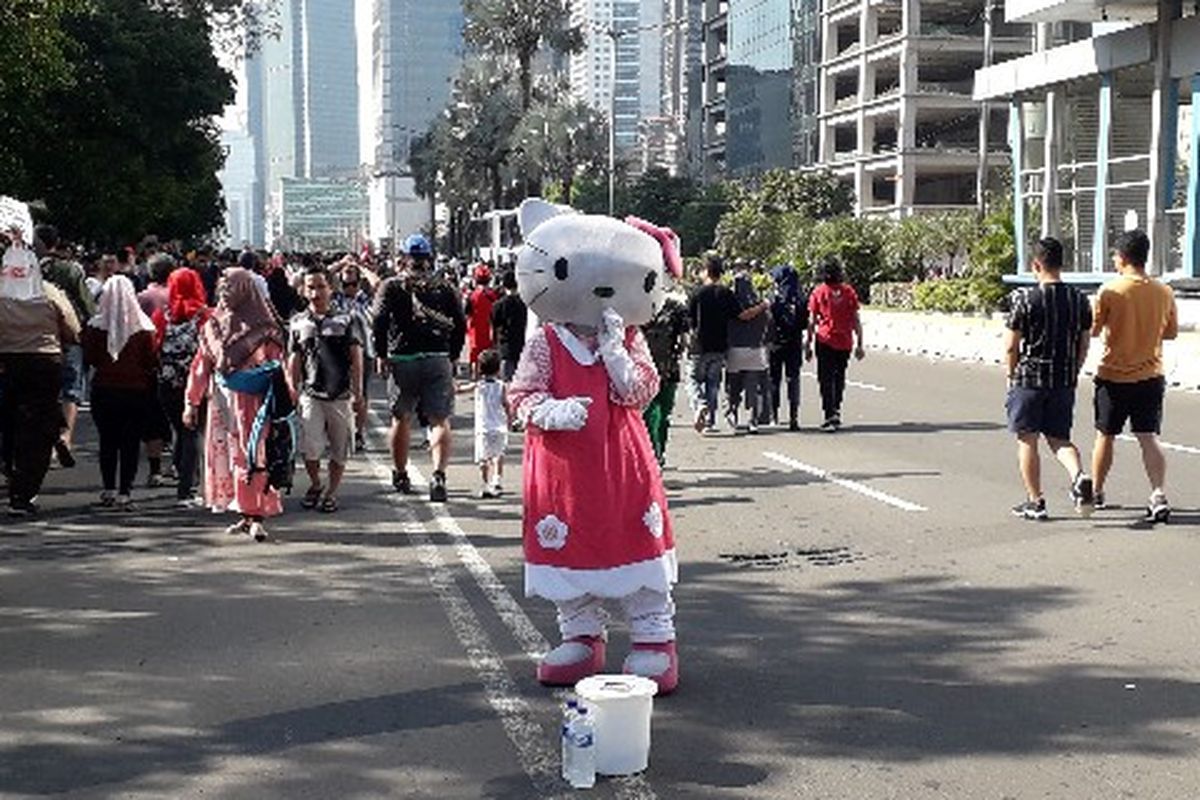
(312, 497)
(328, 504)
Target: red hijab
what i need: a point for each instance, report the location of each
(185, 299)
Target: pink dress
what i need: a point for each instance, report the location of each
(230, 418)
(595, 520)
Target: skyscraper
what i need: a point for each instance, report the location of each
(415, 49)
(634, 90)
(302, 102)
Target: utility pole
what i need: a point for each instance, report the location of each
(981, 176)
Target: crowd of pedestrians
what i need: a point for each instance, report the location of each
(236, 363)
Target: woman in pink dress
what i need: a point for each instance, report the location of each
(596, 525)
(241, 338)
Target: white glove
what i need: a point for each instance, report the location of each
(568, 414)
(614, 354)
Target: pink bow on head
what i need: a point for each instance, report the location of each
(667, 239)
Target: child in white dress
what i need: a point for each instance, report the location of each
(491, 424)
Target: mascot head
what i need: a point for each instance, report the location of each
(573, 266)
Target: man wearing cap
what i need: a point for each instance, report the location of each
(419, 331)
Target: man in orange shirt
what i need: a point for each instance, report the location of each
(1135, 313)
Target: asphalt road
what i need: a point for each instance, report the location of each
(859, 615)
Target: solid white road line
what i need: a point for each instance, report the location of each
(870, 387)
(527, 635)
(853, 486)
(1178, 448)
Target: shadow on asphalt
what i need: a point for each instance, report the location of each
(56, 768)
(898, 670)
(920, 427)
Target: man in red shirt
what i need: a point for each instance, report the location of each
(833, 308)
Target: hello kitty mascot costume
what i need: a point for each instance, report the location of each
(596, 526)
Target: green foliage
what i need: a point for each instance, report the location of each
(559, 139)
(976, 294)
(857, 243)
(747, 231)
(698, 219)
(123, 143)
(517, 29)
(910, 249)
(812, 195)
(994, 251)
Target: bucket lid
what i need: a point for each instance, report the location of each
(615, 687)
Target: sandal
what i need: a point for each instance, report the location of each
(312, 497)
(328, 504)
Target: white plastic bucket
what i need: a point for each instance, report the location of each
(621, 705)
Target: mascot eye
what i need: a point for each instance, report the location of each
(560, 269)
(651, 281)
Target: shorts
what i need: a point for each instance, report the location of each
(72, 374)
(1141, 403)
(489, 445)
(326, 422)
(1046, 411)
(424, 386)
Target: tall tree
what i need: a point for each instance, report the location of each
(128, 144)
(559, 140)
(518, 29)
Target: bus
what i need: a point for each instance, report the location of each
(495, 236)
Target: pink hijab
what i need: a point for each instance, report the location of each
(242, 323)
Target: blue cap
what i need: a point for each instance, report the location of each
(417, 245)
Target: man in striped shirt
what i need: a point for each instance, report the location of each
(1046, 342)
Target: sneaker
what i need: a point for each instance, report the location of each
(1158, 509)
(257, 531)
(829, 425)
(360, 443)
(1031, 509)
(156, 481)
(238, 528)
(497, 489)
(108, 499)
(125, 503)
(1083, 496)
(437, 488)
(1098, 502)
(751, 427)
(191, 501)
(793, 426)
(401, 482)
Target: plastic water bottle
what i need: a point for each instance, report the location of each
(570, 712)
(580, 764)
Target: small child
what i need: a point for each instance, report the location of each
(491, 423)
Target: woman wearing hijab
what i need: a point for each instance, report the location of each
(789, 318)
(241, 344)
(119, 342)
(177, 341)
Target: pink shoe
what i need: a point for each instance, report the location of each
(657, 661)
(575, 659)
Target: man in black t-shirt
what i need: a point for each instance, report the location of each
(325, 359)
(710, 310)
(1046, 342)
(509, 318)
(419, 332)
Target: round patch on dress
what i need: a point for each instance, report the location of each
(552, 533)
(654, 520)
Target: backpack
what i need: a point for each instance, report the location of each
(180, 342)
(280, 456)
(789, 319)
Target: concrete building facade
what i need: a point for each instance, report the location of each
(897, 116)
(1104, 132)
(682, 92)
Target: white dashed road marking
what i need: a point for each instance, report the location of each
(1178, 448)
(853, 486)
(870, 387)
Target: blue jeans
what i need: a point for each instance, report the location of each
(706, 380)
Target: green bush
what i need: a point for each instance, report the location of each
(893, 294)
(977, 294)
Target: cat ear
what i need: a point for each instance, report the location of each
(534, 211)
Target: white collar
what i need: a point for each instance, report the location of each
(578, 349)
